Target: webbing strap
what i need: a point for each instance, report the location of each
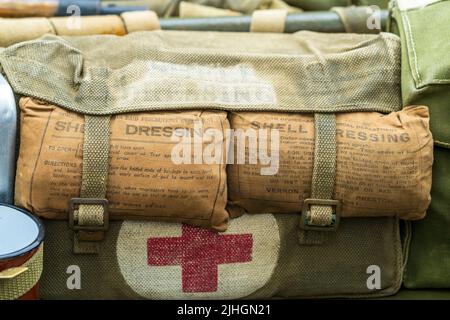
(324, 171)
(315, 213)
(11, 289)
(268, 21)
(94, 183)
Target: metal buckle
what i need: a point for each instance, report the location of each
(75, 202)
(307, 203)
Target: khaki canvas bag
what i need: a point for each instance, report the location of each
(105, 79)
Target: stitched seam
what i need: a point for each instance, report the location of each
(413, 45)
(416, 62)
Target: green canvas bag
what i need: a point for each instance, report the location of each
(258, 257)
(152, 71)
(425, 35)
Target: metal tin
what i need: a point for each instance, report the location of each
(21, 237)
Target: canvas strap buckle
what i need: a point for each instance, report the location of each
(307, 224)
(88, 235)
(75, 204)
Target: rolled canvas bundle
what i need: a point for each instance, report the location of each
(147, 84)
(142, 181)
(383, 164)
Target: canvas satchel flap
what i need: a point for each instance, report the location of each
(163, 70)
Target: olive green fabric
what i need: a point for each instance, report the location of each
(426, 81)
(95, 158)
(405, 294)
(94, 178)
(324, 171)
(429, 256)
(426, 67)
(278, 267)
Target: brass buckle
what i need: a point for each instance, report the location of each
(74, 203)
(307, 203)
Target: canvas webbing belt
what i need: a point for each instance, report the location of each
(321, 212)
(15, 283)
(88, 215)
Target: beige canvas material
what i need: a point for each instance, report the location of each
(71, 26)
(13, 31)
(140, 21)
(284, 269)
(143, 182)
(17, 30)
(268, 21)
(383, 164)
(193, 10)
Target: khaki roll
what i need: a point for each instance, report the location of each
(268, 21)
(140, 21)
(79, 26)
(144, 182)
(27, 8)
(17, 30)
(383, 164)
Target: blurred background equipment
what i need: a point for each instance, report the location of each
(328, 4)
(320, 21)
(50, 8)
(349, 19)
(168, 8)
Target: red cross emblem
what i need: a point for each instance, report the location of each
(199, 252)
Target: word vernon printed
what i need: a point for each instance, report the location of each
(259, 141)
